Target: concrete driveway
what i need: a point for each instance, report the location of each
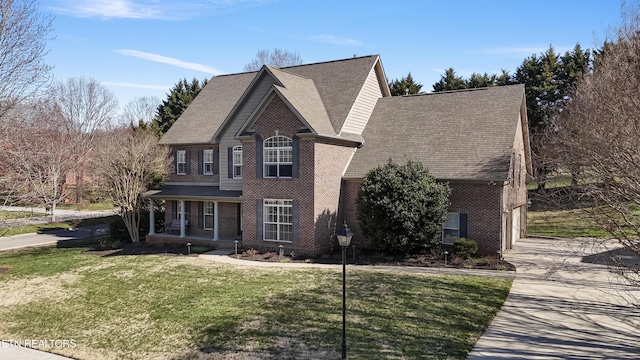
(564, 304)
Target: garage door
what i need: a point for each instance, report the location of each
(515, 225)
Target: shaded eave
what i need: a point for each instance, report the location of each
(194, 192)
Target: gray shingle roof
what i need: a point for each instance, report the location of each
(207, 111)
(337, 84)
(465, 134)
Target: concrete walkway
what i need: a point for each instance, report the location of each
(564, 304)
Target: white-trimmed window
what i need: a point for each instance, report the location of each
(278, 157)
(451, 228)
(278, 220)
(207, 162)
(181, 162)
(209, 212)
(237, 162)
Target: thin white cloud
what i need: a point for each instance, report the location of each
(137, 86)
(169, 61)
(336, 40)
(148, 9)
(124, 9)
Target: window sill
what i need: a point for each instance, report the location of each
(279, 241)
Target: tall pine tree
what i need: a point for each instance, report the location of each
(178, 98)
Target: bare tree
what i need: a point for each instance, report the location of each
(36, 156)
(599, 135)
(23, 37)
(84, 106)
(141, 110)
(129, 161)
(278, 59)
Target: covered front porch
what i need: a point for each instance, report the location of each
(196, 214)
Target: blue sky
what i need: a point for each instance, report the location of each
(142, 47)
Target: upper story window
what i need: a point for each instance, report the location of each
(181, 162)
(278, 157)
(207, 162)
(237, 162)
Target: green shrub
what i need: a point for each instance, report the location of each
(465, 248)
(401, 208)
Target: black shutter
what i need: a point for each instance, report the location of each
(259, 166)
(175, 161)
(174, 208)
(216, 161)
(296, 220)
(188, 162)
(200, 161)
(295, 149)
(463, 225)
(230, 162)
(239, 219)
(200, 214)
(259, 219)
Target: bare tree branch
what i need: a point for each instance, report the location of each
(23, 37)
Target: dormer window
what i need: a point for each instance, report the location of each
(278, 157)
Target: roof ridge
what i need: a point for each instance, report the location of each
(484, 88)
(297, 66)
(330, 61)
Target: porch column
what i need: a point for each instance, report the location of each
(215, 220)
(152, 218)
(182, 227)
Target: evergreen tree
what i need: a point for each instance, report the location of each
(450, 81)
(404, 86)
(179, 97)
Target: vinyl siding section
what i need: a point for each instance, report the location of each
(227, 137)
(363, 107)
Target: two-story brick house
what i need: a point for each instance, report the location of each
(275, 157)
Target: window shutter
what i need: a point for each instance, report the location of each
(188, 162)
(239, 218)
(259, 167)
(174, 208)
(259, 219)
(200, 161)
(216, 161)
(295, 149)
(463, 225)
(175, 161)
(296, 220)
(200, 214)
(230, 162)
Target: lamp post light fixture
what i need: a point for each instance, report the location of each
(446, 254)
(236, 244)
(344, 239)
(189, 249)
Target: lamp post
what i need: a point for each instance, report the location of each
(344, 239)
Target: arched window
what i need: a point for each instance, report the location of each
(278, 157)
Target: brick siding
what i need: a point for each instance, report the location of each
(316, 189)
(480, 201)
(193, 175)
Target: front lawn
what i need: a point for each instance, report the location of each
(179, 307)
(564, 223)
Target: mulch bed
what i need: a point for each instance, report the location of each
(4, 269)
(364, 257)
